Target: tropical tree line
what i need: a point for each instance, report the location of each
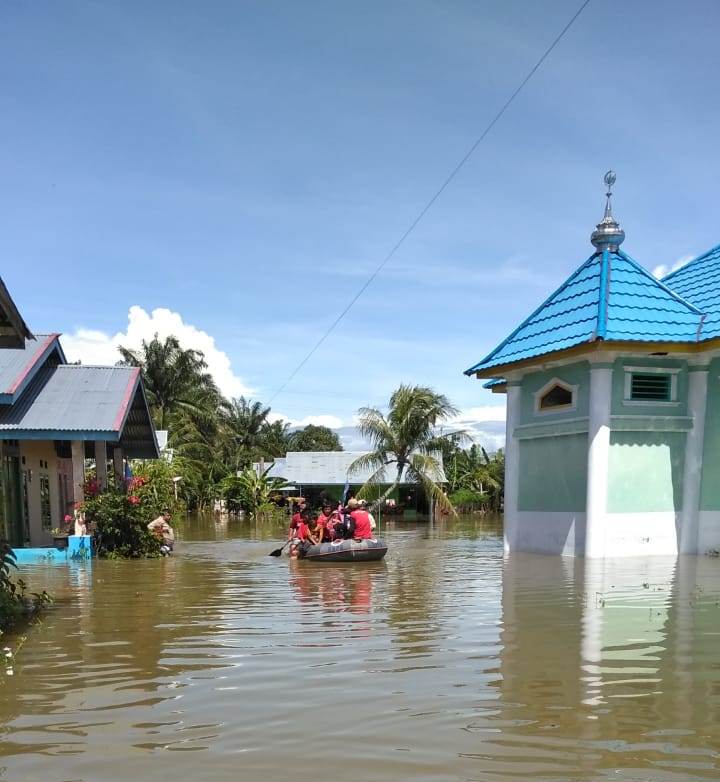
(216, 439)
(213, 438)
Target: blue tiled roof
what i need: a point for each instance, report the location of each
(609, 297)
(496, 381)
(699, 283)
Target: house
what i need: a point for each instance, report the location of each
(316, 473)
(613, 409)
(54, 415)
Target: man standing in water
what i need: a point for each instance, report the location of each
(160, 527)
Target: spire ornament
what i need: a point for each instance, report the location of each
(608, 235)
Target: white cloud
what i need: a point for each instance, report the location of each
(662, 269)
(331, 421)
(97, 347)
(481, 414)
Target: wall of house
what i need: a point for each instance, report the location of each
(553, 473)
(39, 462)
(710, 485)
(709, 519)
(645, 472)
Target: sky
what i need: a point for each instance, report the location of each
(232, 173)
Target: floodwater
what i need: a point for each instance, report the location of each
(445, 662)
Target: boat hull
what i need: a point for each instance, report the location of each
(371, 550)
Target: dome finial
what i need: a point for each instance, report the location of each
(608, 234)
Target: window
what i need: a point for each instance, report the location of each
(650, 387)
(555, 396)
(45, 514)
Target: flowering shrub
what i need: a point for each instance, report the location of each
(119, 521)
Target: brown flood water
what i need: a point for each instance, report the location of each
(445, 662)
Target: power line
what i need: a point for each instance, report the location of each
(430, 203)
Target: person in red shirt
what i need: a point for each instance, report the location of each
(361, 517)
(327, 519)
(296, 519)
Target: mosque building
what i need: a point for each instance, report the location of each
(613, 409)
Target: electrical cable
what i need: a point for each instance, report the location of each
(430, 203)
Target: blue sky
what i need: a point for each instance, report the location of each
(240, 168)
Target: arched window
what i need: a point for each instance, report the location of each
(555, 396)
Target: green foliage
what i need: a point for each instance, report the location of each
(253, 493)
(473, 470)
(120, 517)
(405, 440)
(314, 438)
(466, 500)
(14, 601)
(176, 380)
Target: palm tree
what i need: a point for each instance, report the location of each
(175, 379)
(244, 424)
(407, 439)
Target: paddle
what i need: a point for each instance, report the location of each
(278, 551)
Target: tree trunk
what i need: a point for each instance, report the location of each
(381, 499)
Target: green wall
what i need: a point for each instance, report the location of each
(574, 374)
(710, 486)
(645, 471)
(553, 473)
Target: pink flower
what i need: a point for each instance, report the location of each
(133, 499)
(68, 517)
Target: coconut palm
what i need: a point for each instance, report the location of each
(405, 439)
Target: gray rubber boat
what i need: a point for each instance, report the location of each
(370, 550)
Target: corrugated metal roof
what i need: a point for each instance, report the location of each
(17, 365)
(323, 468)
(699, 283)
(609, 297)
(71, 400)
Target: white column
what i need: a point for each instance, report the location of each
(101, 463)
(78, 469)
(598, 457)
(512, 467)
(692, 474)
(118, 466)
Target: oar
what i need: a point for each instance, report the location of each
(278, 551)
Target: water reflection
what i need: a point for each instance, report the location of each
(599, 663)
(443, 662)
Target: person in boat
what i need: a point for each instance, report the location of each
(364, 506)
(308, 533)
(296, 519)
(361, 517)
(327, 521)
(160, 527)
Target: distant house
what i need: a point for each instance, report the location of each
(316, 473)
(52, 416)
(613, 409)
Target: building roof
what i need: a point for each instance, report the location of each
(610, 297)
(699, 283)
(327, 468)
(74, 402)
(13, 329)
(19, 365)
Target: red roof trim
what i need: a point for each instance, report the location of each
(127, 397)
(35, 358)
